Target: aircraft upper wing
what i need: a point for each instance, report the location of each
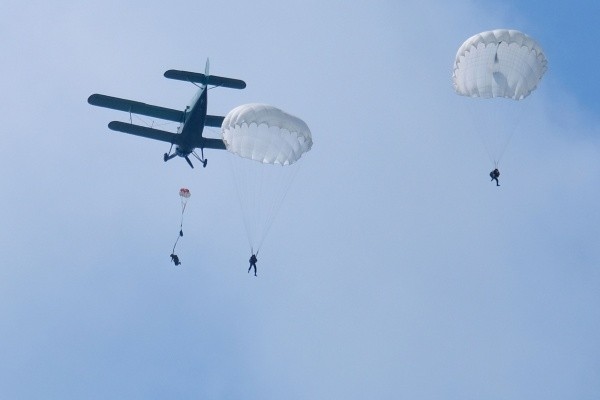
(201, 78)
(143, 131)
(136, 107)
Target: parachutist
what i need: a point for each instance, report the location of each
(252, 261)
(175, 259)
(494, 175)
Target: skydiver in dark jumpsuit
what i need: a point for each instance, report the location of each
(494, 175)
(175, 259)
(252, 261)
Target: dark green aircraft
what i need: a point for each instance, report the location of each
(192, 120)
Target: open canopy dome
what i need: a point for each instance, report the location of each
(266, 134)
(499, 63)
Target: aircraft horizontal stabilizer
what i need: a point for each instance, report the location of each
(197, 77)
(214, 121)
(207, 143)
(143, 131)
(136, 107)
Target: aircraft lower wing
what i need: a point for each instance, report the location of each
(164, 136)
(197, 77)
(136, 107)
(143, 131)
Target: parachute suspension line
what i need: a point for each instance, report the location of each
(495, 124)
(239, 180)
(183, 205)
(265, 207)
(180, 234)
(261, 189)
(477, 126)
(278, 201)
(487, 149)
(175, 245)
(513, 129)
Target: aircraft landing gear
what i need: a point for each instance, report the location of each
(203, 160)
(179, 152)
(167, 157)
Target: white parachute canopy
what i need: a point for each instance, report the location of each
(499, 63)
(264, 133)
(498, 69)
(268, 142)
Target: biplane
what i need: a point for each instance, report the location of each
(192, 119)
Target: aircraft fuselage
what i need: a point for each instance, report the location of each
(193, 124)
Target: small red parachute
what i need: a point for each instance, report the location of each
(185, 192)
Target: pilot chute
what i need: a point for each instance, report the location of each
(498, 69)
(267, 142)
(184, 195)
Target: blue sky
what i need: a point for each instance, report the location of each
(568, 33)
(394, 269)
